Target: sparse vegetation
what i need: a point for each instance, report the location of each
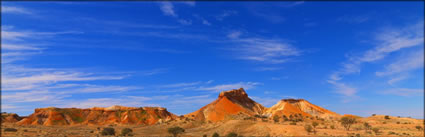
(232, 134)
(308, 128)
(387, 117)
(126, 132)
(376, 130)
(276, 118)
(418, 127)
(108, 131)
(367, 126)
(175, 130)
(205, 135)
(293, 123)
(285, 118)
(215, 135)
(10, 130)
(373, 114)
(347, 121)
(332, 127)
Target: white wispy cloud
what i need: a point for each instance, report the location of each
(154, 71)
(290, 4)
(19, 47)
(389, 41)
(404, 91)
(184, 21)
(226, 14)
(234, 34)
(105, 102)
(414, 60)
(178, 85)
(268, 68)
(206, 22)
(343, 89)
(32, 96)
(397, 79)
(15, 10)
(168, 9)
(265, 50)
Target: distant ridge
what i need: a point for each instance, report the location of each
(97, 116)
(231, 104)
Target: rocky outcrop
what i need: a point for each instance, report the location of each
(230, 104)
(97, 116)
(310, 108)
(10, 117)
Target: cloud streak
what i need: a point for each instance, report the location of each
(14, 10)
(265, 50)
(390, 40)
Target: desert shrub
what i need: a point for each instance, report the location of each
(357, 127)
(315, 124)
(293, 123)
(391, 133)
(126, 131)
(398, 122)
(357, 135)
(91, 131)
(204, 135)
(376, 130)
(215, 135)
(276, 118)
(308, 128)
(232, 134)
(384, 122)
(373, 114)
(108, 131)
(10, 130)
(285, 118)
(332, 127)
(418, 127)
(325, 127)
(347, 121)
(387, 117)
(367, 126)
(175, 130)
(398, 116)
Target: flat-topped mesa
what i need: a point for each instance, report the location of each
(234, 93)
(291, 100)
(310, 108)
(98, 116)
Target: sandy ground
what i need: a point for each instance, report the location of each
(400, 127)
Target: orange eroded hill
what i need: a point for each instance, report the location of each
(233, 103)
(284, 108)
(9, 118)
(311, 109)
(97, 116)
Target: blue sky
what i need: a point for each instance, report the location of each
(357, 58)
